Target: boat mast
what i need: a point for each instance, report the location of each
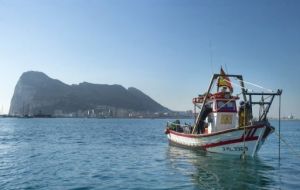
(242, 85)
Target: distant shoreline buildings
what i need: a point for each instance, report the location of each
(106, 112)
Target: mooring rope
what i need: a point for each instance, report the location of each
(288, 145)
(279, 125)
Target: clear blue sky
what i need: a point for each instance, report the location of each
(159, 46)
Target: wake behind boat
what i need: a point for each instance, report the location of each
(223, 127)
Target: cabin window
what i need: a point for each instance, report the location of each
(209, 104)
(225, 106)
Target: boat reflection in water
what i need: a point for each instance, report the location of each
(213, 171)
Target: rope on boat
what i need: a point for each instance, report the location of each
(288, 145)
(291, 148)
(257, 85)
(239, 85)
(279, 126)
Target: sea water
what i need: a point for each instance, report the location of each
(133, 154)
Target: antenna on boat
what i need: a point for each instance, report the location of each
(226, 68)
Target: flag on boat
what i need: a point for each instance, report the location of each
(224, 81)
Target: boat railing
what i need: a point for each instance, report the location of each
(178, 124)
(186, 128)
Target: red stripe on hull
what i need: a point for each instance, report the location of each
(230, 142)
(212, 134)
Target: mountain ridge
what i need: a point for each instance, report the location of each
(37, 93)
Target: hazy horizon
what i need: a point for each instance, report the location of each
(167, 49)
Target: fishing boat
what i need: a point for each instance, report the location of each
(221, 124)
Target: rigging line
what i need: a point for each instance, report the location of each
(238, 85)
(292, 150)
(248, 83)
(279, 126)
(249, 88)
(264, 99)
(257, 86)
(226, 69)
(268, 97)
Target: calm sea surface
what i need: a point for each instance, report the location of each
(132, 154)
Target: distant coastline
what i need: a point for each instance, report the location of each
(38, 95)
(285, 119)
(139, 117)
(183, 115)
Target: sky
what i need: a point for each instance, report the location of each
(166, 48)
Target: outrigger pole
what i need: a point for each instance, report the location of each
(263, 116)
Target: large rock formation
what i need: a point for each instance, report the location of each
(36, 93)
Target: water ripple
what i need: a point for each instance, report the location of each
(129, 154)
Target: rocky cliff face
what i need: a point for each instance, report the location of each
(37, 93)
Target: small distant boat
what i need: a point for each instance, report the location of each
(291, 117)
(223, 127)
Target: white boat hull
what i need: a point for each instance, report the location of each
(231, 141)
